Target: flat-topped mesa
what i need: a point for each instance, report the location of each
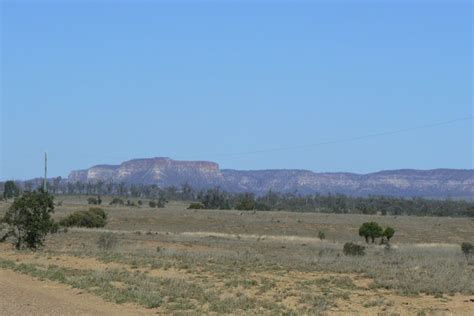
(147, 171)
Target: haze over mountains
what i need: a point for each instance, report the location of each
(204, 174)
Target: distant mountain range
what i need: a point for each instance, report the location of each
(203, 174)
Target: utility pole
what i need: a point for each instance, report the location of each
(45, 171)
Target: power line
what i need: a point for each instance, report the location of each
(341, 140)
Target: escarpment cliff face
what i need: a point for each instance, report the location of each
(160, 171)
(203, 174)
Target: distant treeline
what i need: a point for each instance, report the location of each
(215, 198)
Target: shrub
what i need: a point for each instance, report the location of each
(321, 235)
(107, 241)
(370, 230)
(93, 218)
(467, 249)
(388, 233)
(195, 206)
(140, 203)
(92, 200)
(117, 201)
(29, 219)
(161, 201)
(99, 212)
(351, 249)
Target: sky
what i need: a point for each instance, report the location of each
(96, 82)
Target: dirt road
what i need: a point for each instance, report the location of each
(23, 295)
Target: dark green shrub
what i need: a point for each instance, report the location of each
(117, 201)
(92, 200)
(370, 230)
(195, 206)
(321, 235)
(99, 212)
(467, 249)
(388, 233)
(93, 218)
(351, 249)
(152, 204)
(161, 200)
(140, 203)
(29, 219)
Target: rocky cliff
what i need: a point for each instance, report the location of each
(203, 174)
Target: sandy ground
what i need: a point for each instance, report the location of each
(23, 295)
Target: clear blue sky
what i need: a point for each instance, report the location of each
(97, 82)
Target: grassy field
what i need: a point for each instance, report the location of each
(180, 261)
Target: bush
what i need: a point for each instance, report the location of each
(467, 249)
(161, 201)
(92, 200)
(159, 204)
(99, 212)
(107, 241)
(93, 218)
(195, 206)
(29, 219)
(351, 249)
(370, 230)
(321, 235)
(117, 201)
(140, 203)
(388, 233)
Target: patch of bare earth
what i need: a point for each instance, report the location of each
(24, 295)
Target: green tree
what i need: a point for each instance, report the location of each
(388, 233)
(11, 190)
(215, 199)
(246, 202)
(29, 219)
(370, 230)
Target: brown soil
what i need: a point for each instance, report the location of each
(23, 295)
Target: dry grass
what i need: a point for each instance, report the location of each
(184, 261)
